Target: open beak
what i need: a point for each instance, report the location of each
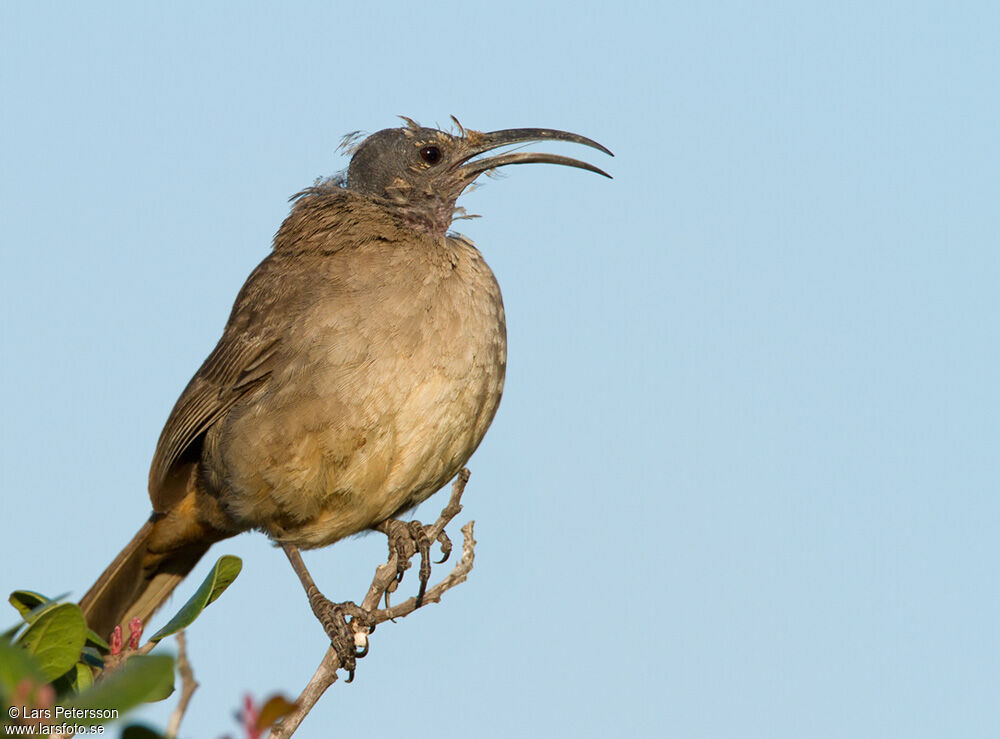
(480, 143)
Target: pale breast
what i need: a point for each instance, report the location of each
(386, 387)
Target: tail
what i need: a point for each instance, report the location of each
(138, 581)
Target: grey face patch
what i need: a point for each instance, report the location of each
(421, 172)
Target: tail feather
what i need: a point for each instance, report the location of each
(136, 582)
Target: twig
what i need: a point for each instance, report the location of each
(385, 576)
(457, 576)
(188, 686)
(323, 678)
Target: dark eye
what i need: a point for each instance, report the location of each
(430, 154)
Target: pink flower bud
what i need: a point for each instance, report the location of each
(46, 697)
(22, 691)
(116, 640)
(250, 716)
(134, 633)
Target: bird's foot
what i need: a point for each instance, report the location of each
(407, 538)
(349, 639)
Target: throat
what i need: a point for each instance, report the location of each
(430, 217)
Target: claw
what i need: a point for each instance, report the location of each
(341, 632)
(407, 538)
(445, 543)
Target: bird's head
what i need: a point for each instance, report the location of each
(420, 172)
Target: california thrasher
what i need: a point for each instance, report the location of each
(360, 367)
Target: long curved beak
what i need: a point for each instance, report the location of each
(480, 143)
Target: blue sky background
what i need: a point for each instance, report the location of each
(744, 478)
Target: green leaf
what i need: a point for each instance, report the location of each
(77, 679)
(167, 690)
(81, 677)
(90, 656)
(221, 577)
(93, 638)
(8, 636)
(31, 605)
(227, 569)
(56, 638)
(33, 614)
(25, 601)
(16, 665)
(141, 677)
(137, 731)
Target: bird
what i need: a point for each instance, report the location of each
(360, 367)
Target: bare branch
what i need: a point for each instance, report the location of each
(323, 678)
(188, 686)
(383, 582)
(457, 576)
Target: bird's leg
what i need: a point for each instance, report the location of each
(407, 538)
(349, 639)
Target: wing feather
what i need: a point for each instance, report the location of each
(236, 366)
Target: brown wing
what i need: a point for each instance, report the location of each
(262, 316)
(237, 365)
